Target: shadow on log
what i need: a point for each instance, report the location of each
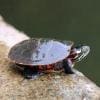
(48, 87)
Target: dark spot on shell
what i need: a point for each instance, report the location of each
(43, 56)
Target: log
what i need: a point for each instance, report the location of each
(53, 86)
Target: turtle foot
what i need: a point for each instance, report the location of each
(69, 72)
(30, 74)
(67, 67)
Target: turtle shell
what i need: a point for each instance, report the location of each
(40, 51)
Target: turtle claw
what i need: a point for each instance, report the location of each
(30, 74)
(69, 70)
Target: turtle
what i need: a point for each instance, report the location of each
(43, 55)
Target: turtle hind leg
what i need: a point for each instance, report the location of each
(67, 67)
(30, 74)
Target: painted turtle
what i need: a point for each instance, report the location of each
(38, 55)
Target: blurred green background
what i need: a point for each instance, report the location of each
(76, 20)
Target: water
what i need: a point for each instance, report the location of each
(74, 20)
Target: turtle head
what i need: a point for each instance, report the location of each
(81, 52)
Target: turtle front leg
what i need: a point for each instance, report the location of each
(67, 67)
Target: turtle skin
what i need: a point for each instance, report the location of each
(32, 72)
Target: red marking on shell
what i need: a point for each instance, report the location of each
(40, 67)
(45, 68)
(49, 67)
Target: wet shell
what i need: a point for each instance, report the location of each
(40, 51)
